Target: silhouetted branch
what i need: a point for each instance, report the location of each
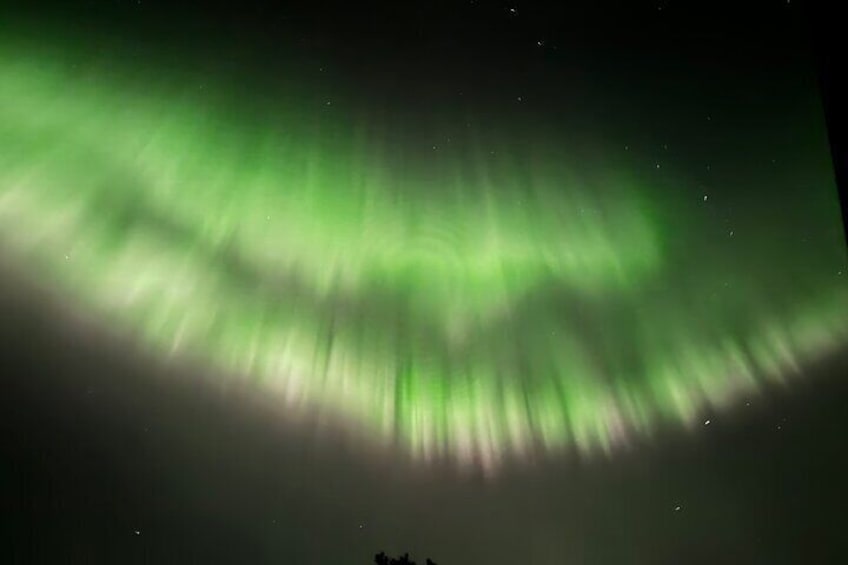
(383, 559)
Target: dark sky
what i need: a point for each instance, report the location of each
(112, 457)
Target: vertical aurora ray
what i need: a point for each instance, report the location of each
(470, 303)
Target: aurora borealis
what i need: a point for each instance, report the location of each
(489, 298)
(489, 282)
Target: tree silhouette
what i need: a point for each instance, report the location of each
(383, 559)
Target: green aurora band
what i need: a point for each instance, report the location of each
(467, 304)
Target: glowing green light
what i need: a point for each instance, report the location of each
(487, 307)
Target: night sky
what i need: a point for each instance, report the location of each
(481, 281)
